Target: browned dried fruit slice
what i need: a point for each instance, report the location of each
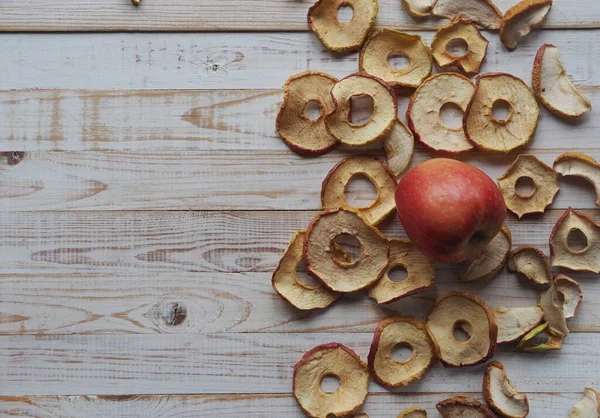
(413, 413)
(528, 343)
(586, 259)
(531, 262)
(400, 331)
(339, 275)
(461, 407)
(513, 323)
(482, 12)
(544, 180)
(418, 8)
(580, 165)
(398, 145)
(337, 36)
(385, 109)
(333, 190)
(420, 273)
(468, 63)
(462, 310)
(424, 109)
(491, 260)
(588, 406)
(501, 395)
(506, 135)
(304, 135)
(521, 19)
(331, 359)
(382, 43)
(553, 88)
(553, 312)
(571, 294)
(286, 284)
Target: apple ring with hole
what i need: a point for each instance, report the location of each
(579, 165)
(328, 360)
(468, 63)
(462, 407)
(586, 258)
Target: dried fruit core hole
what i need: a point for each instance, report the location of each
(457, 47)
(304, 278)
(361, 108)
(349, 246)
(312, 110)
(576, 240)
(525, 187)
(330, 383)
(451, 115)
(501, 111)
(345, 13)
(398, 61)
(360, 191)
(402, 352)
(397, 274)
(462, 331)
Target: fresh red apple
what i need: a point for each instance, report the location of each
(449, 209)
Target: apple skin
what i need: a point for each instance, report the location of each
(449, 209)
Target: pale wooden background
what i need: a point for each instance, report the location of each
(145, 200)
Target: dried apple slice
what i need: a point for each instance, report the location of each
(331, 359)
(461, 407)
(400, 331)
(286, 284)
(588, 406)
(482, 12)
(513, 323)
(506, 135)
(382, 43)
(462, 310)
(544, 180)
(580, 165)
(571, 294)
(491, 260)
(339, 275)
(500, 394)
(554, 314)
(528, 342)
(418, 8)
(470, 62)
(413, 413)
(385, 109)
(398, 146)
(301, 134)
(531, 262)
(586, 259)
(553, 88)
(521, 19)
(333, 190)
(424, 109)
(337, 36)
(420, 273)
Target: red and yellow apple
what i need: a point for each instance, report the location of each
(449, 209)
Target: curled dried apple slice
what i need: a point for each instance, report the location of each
(500, 394)
(553, 88)
(300, 133)
(580, 165)
(424, 109)
(418, 8)
(482, 12)
(588, 406)
(470, 62)
(398, 145)
(521, 19)
(413, 413)
(465, 311)
(571, 294)
(333, 190)
(554, 314)
(286, 284)
(562, 255)
(461, 407)
(531, 262)
(382, 43)
(339, 275)
(513, 323)
(529, 342)
(545, 185)
(338, 36)
(385, 109)
(404, 332)
(491, 260)
(325, 360)
(420, 273)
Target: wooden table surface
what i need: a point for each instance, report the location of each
(145, 200)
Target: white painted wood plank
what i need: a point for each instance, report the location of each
(258, 60)
(205, 15)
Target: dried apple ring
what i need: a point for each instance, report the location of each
(400, 331)
(470, 62)
(545, 185)
(399, 145)
(580, 165)
(334, 186)
(325, 360)
(521, 19)
(501, 135)
(513, 323)
(337, 36)
(585, 259)
(461, 407)
(383, 43)
(528, 342)
(385, 109)
(286, 284)
(457, 310)
(339, 275)
(301, 134)
(491, 260)
(420, 273)
(554, 315)
(501, 395)
(424, 109)
(571, 293)
(531, 262)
